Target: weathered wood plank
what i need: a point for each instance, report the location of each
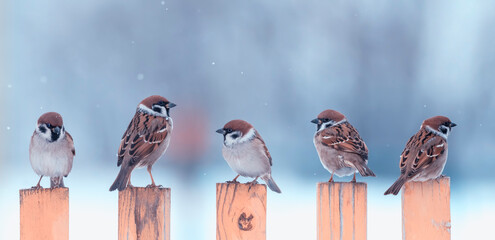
(144, 213)
(241, 212)
(341, 211)
(426, 210)
(44, 213)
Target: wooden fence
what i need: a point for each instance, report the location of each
(144, 213)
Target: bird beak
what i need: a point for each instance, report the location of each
(221, 131)
(316, 121)
(453, 124)
(56, 130)
(171, 105)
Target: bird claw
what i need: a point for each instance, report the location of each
(37, 187)
(252, 183)
(233, 181)
(154, 186)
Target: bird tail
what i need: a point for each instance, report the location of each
(364, 170)
(395, 188)
(271, 183)
(120, 182)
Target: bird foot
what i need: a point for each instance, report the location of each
(130, 185)
(353, 181)
(233, 181)
(37, 187)
(154, 186)
(252, 183)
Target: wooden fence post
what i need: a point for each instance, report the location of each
(241, 212)
(341, 210)
(144, 213)
(44, 213)
(426, 210)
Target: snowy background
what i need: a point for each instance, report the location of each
(387, 65)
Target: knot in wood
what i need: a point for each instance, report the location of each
(245, 222)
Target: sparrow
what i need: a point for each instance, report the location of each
(145, 140)
(339, 146)
(51, 150)
(246, 153)
(425, 154)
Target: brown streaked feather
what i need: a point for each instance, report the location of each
(267, 153)
(144, 134)
(71, 142)
(344, 137)
(421, 151)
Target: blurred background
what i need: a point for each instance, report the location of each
(387, 65)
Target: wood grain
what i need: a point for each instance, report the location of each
(341, 211)
(426, 210)
(144, 213)
(44, 214)
(241, 212)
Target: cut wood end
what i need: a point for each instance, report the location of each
(145, 189)
(440, 181)
(42, 190)
(341, 183)
(244, 186)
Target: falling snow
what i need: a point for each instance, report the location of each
(140, 76)
(212, 63)
(8, 128)
(43, 79)
(163, 2)
(9, 86)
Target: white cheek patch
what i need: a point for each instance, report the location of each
(149, 111)
(46, 135)
(441, 134)
(324, 125)
(229, 140)
(332, 123)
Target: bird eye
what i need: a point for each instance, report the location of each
(326, 120)
(48, 125)
(229, 130)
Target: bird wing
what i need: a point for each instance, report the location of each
(71, 142)
(344, 137)
(143, 135)
(265, 149)
(421, 151)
